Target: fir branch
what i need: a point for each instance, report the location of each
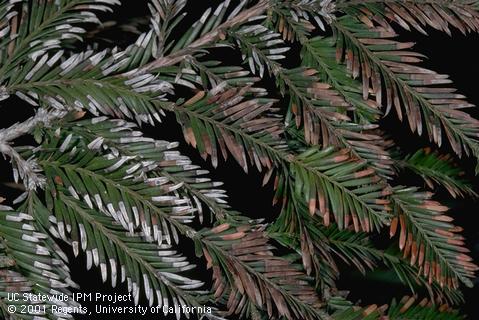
(34, 268)
(407, 86)
(319, 174)
(357, 249)
(207, 38)
(427, 236)
(196, 73)
(317, 105)
(321, 247)
(237, 120)
(244, 266)
(165, 16)
(40, 27)
(119, 187)
(159, 266)
(320, 53)
(121, 137)
(439, 169)
(99, 90)
(417, 14)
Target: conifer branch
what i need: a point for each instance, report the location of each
(208, 38)
(130, 201)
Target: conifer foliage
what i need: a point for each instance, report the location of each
(94, 181)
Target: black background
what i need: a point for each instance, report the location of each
(456, 56)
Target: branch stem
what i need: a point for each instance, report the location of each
(27, 170)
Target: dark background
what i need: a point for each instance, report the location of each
(456, 56)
